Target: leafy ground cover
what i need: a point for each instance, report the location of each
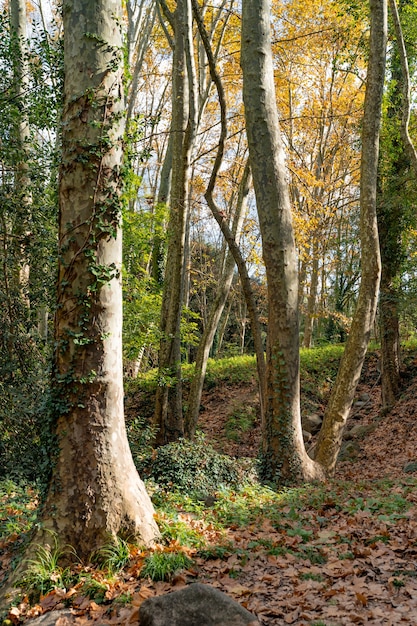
(323, 555)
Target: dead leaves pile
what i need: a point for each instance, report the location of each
(367, 573)
(347, 557)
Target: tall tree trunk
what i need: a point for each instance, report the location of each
(168, 403)
(330, 436)
(95, 492)
(18, 21)
(399, 158)
(222, 222)
(284, 459)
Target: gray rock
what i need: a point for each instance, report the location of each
(53, 618)
(360, 430)
(359, 404)
(312, 423)
(348, 451)
(195, 605)
(364, 397)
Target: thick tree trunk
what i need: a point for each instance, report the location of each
(399, 158)
(330, 436)
(284, 457)
(95, 492)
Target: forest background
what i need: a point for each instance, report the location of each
(183, 299)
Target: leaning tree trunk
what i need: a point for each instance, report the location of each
(222, 293)
(284, 458)
(95, 492)
(330, 436)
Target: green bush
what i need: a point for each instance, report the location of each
(191, 467)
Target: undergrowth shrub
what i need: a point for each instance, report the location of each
(191, 466)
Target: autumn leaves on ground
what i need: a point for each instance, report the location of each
(339, 554)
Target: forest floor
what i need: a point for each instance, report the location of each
(326, 555)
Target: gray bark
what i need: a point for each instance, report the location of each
(168, 403)
(95, 492)
(283, 452)
(330, 437)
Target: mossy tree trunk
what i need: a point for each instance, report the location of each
(330, 436)
(397, 186)
(284, 458)
(95, 492)
(168, 415)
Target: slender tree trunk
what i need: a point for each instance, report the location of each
(222, 327)
(222, 222)
(168, 403)
(284, 459)
(18, 20)
(95, 492)
(158, 248)
(311, 300)
(330, 436)
(217, 309)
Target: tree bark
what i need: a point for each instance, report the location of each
(18, 21)
(95, 492)
(330, 436)
(396, 162)
(168, 415)
(312, 299)
(284, 458)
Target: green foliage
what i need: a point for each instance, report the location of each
(113, 556)
(141, 434)
(190, 467)
(93, 589)
(17, 508)
(27, 240)
(164, 565)
(44, 572)
(175, 530)
(240, 421)
(237, 369)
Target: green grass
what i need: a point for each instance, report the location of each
(113, 556)
(164, 565)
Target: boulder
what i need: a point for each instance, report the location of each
(361, 430)
(195, 605)
(53, 618)
(348, 451)
(312, 423)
